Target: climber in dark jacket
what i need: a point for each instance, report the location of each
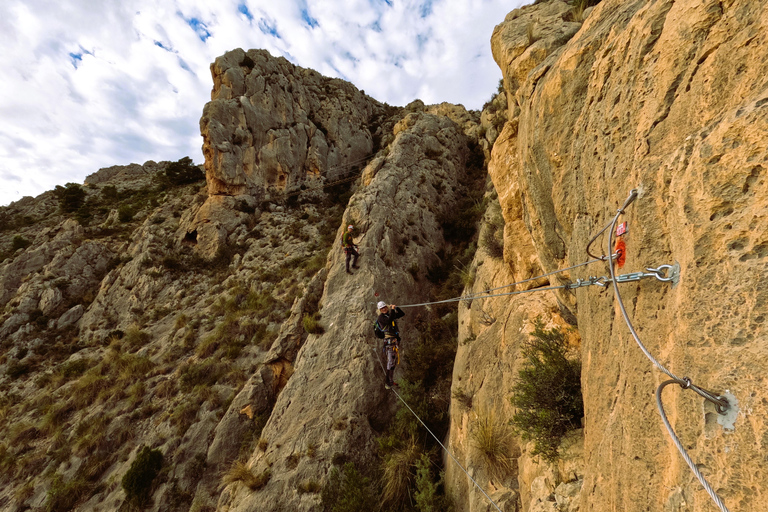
(350, 249)
(386, 322)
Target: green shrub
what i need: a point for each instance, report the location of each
(428, 497)
(348, 491)
(183, 172)
(137, 481)
(203, 373)
(17, 369)
(311, 323)
(71, 197)
(74, 369)
(547, 393)
(125, 213)
(19, 242)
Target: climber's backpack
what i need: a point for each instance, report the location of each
(377, 330)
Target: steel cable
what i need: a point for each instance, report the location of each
(434, 436)
(685, 382)
(682, 451)
(479, 294)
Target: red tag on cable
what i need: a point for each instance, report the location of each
(621, 252)
(621, 228)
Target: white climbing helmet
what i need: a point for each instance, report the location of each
(381, 304)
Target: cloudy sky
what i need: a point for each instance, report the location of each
(86, 84)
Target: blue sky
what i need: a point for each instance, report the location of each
(87, 84)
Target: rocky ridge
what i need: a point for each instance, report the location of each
(180, 317)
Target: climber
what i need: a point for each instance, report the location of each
(350, 249)
(386, 323)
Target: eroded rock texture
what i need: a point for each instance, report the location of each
(272, 126)
(669, 98)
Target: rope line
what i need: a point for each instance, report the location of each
(434, 436)
(682, 451)
(477, 295)
(685, 382)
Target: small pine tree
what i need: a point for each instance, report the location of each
(71, 197)
(183, 172)
(547, 393)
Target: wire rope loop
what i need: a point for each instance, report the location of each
(681, 449)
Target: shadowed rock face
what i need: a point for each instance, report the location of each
(669, 98)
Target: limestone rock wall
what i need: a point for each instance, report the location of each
(272, 126)
(334, 403)
(669, 98)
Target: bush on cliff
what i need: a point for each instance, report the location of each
(547, 394)
(183, 172)
(348, 491)
(137, 482)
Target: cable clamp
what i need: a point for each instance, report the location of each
(580, 283)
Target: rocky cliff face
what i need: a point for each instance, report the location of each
(668, 98)
(148, 309)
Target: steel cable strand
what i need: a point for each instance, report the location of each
(679, 445)
(435, 437)
(685, 382)
(459, 299)
(718, 401)
(480, 295)
(632, 196)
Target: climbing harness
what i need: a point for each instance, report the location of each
(435, 437)
(721, 404)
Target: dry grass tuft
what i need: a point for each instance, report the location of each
(398, 473)
(491, 438)
(241, 473)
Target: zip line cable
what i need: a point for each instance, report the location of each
(720, 402)
(659, 273)
(434, 436)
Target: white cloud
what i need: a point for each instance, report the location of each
(86, 84)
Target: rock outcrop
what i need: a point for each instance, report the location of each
(668, 98)
(271, 125)
(335, 399)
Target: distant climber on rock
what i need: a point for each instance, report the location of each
(386, 328)
(350, 249)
